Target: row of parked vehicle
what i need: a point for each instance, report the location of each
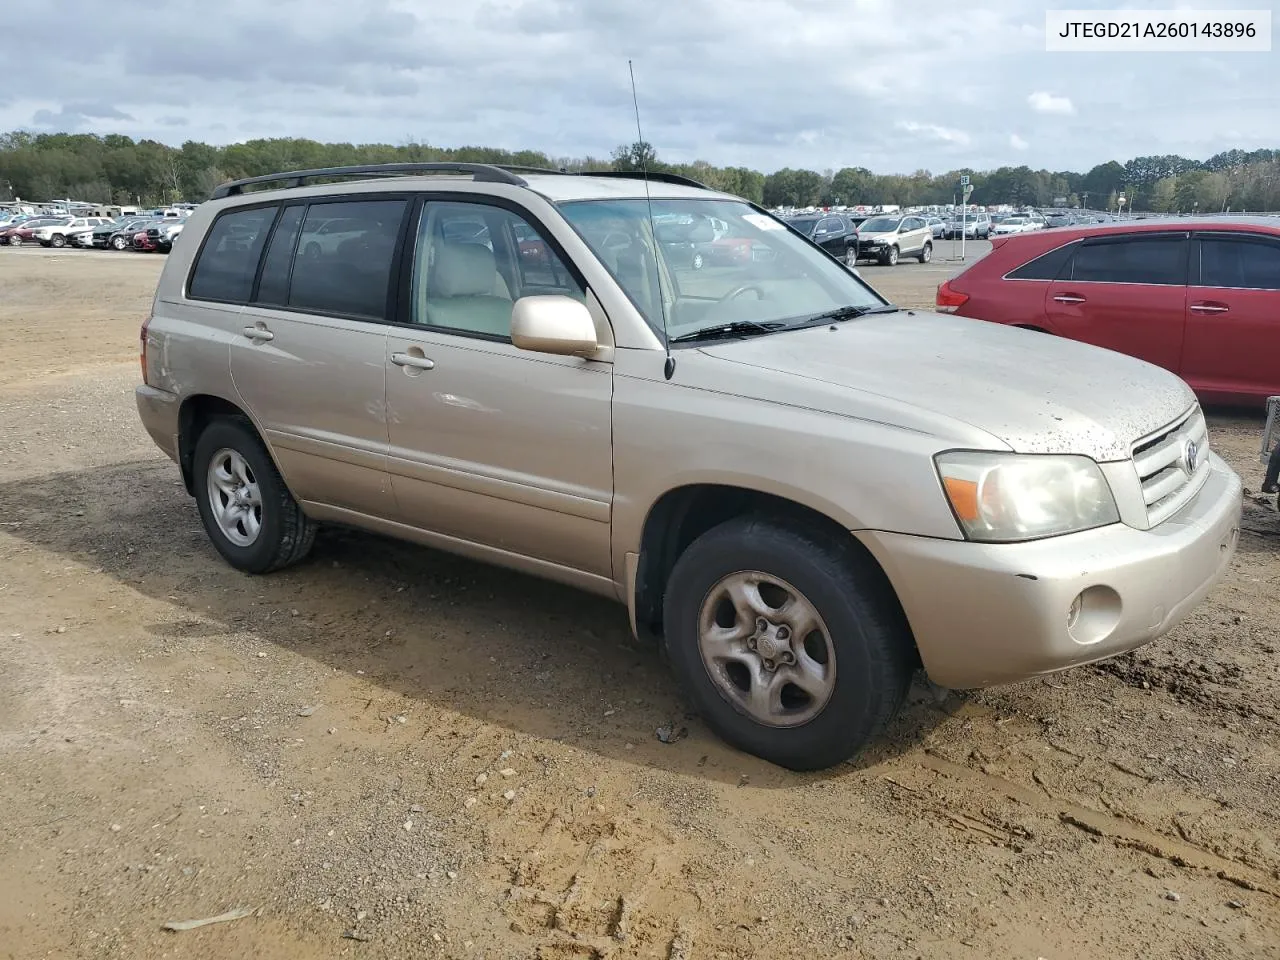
(150, 233)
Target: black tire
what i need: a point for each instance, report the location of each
(119, 243)
(58, 240)
(286, 533)
(873, 648)
(890, 258)
(926, 252)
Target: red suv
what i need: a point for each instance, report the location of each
(1198, 297)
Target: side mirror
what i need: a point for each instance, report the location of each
(553, 324)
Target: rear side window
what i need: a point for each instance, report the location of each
(1149, 260)
(345, 267)
(1047, 266)
(229, 258)
(1240, 264)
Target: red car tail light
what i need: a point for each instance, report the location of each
(949, 300)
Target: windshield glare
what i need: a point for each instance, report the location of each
(720, 261)
(880, 225)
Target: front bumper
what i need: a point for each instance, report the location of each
(986, 614)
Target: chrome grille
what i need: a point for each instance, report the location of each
(1161, 461)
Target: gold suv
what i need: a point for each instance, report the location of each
(803, 491)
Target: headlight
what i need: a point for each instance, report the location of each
(1001, 497)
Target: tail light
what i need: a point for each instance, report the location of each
(949, 300)
(142, 343)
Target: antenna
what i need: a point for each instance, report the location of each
(669, 367)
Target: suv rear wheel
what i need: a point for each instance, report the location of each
(247, 510)
(926, 252)
(789, 643)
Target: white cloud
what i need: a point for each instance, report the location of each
(1042, 102)
(931, 131)
(1017, 142)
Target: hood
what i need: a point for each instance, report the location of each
(1034, 392)
(875, 234)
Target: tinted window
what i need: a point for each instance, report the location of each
(829, 225)
(229, 258)
(473, 261)
(346, 270)
(1244, 264)
(274, 285)
(1155, 260)
(1046, 267)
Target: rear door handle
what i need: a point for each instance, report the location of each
(1068, 298)
(410, 360)
(261, 334)
(1209, 308)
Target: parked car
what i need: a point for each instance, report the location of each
(938, 226)
(24, 232)
(887, 239)
(55, 234)
(1197, 297)
(761, 462)
(143, 242)
(834, 232)
(114, 235)
(162, 233)
(1011, 225)
(976, 226)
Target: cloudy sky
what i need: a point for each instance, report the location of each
(893, 85)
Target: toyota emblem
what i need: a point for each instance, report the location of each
(1191, 457)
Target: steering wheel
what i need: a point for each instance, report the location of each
(739, 291)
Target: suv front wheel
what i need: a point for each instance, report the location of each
(247, 510)
(789, 642)
(890, 257)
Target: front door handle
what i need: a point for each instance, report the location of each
(1209, 308)
(260, 334)
(1069, 298)
(412, 360)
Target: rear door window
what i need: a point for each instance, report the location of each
(1158, 261)
(228, 261)
(1242, 264)
(345, 268)
(273, 286)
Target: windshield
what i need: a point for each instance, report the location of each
(1015, 220)
(735, 265)
(804, 224)
(880, 225)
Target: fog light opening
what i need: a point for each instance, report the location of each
(1094, 615)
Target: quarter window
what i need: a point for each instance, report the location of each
(1240, 264)
(229, 258)
(345, 269)
(473, 261)
(1149, 260)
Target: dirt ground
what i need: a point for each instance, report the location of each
(391, 753)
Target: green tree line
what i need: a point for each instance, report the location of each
(113, 168)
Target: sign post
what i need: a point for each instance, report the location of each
(966, 188)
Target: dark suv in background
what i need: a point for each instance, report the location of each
(834, 232)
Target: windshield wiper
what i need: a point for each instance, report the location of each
(849, 312)
(737, 328)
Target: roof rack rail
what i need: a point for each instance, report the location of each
(620, 174)
(484, 172)
(655, 176)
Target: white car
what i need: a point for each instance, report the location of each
(58, 235)
(1014, 225)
